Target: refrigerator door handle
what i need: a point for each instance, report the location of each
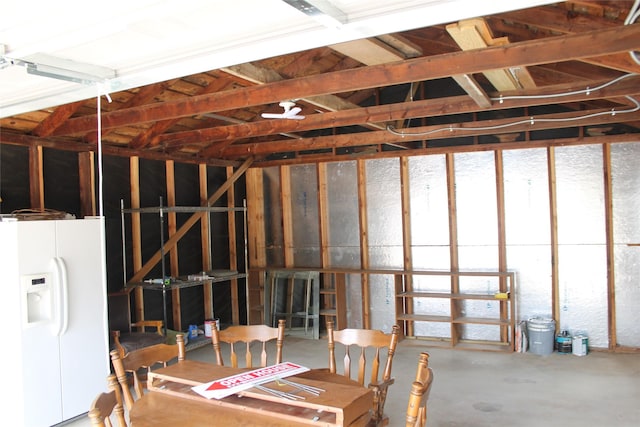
(63, 297)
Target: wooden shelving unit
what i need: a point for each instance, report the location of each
(333, 293)
(502, 317)
(334, 304)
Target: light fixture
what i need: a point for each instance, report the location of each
(321, 10)
(45, 65)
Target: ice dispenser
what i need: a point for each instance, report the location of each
(36, 299)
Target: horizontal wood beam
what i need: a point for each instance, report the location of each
(8, 137)
(552, 49)
(392, 112)
(444, 131)
(470, 148)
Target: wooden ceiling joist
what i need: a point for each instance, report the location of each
(434, 132)
(378, 50)
(261, 75)
(562, 48)
(362, 87)
(476, 34)
(392, 112)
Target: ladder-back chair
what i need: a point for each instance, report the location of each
(144, 358)
(364, 339)
(238, 335)
(108, 404)
(126, 335)
(419, 394)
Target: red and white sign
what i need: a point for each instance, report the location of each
(224, 387)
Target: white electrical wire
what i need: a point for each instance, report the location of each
(586, 91)
(532, 120)
(99, 149)
(634, 13)
(101, 90)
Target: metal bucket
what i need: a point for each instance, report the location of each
(580, 345)
(540, 333)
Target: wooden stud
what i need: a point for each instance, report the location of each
(326, 280)
(502, 243)
(205, 243)
(257, 246)
(323, 214)
(453, 243)
(611, 276)
(36, 178)
(176, 306)
(364, 241)
(287, 220)
(136, 236)
(553, 222)
(405, 189)
(341, 301)
(233, 249)
(87, 183)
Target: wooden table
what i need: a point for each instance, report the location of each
(171, 402)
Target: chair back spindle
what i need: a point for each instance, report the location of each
(145, 358)
(419, 394)
(360, 341)
(108, 404)
(247, 335)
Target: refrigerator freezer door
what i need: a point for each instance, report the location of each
(40, 355)
(84, 351)
(55, 377)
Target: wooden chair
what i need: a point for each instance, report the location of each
(128, 336)
(420, 388)
(364, 339)
(108, 404)
(248, 334)
(145, 358)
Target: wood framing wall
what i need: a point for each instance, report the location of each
(256, 203)
(42, 183)
(142, 260)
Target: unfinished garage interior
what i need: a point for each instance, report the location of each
(450, 167)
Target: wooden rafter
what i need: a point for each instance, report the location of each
(552, 49)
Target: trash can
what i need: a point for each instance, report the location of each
(541, 333)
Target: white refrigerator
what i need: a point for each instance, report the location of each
(53, 309)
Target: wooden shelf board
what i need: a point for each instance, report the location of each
(423, 318)
(481, 321)
(415, 294)
(443, 342)
(463, 344)
(297, 315)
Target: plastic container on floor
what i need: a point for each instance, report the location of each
(580, 345)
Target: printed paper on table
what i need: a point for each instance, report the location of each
(224, 387)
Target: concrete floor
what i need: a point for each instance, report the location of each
(488, 389)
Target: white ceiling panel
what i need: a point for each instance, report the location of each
(147, 41)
